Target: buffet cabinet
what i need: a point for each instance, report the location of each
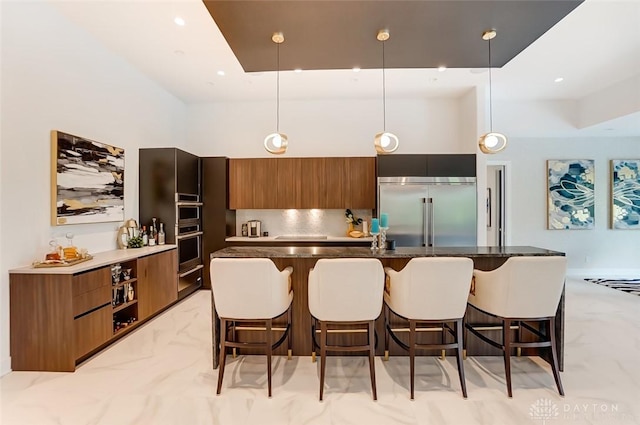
(303, 183)
(58, 318)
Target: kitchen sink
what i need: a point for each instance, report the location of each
(301, 237)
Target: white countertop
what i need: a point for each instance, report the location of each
(100, 259)
(300, 238)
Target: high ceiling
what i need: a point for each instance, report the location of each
(342, 34)
(594, 47)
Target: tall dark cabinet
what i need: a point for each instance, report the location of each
(169, 184)
(217, 220)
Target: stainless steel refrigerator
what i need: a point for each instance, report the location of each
(429, 211)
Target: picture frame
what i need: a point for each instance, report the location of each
(570, 194)
(87, 180)
(625, 194)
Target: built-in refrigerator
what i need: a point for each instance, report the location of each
(429, 211)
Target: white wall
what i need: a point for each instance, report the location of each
(55, 76)
(341, 127)
(597, 252)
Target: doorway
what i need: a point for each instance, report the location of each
(496, 204)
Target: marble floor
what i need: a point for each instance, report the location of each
(161, 374)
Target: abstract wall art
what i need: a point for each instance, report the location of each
(87, 180)
(570, 194)
(625, 194)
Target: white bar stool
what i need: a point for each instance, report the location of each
(523, 289)
(429, 291)
(250, 290)
(346, 291)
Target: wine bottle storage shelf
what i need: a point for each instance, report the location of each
(124, 282)
(121, 307)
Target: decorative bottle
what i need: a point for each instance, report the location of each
(152, 232)
(145, 236)
(161, 234)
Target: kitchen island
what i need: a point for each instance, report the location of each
(302, 259)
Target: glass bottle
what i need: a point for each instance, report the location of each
(145, 236)
(161, 235)
(70, 251)
(152, 232)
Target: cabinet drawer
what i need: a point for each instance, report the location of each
(92, 330)
(90, 300)
(89, 281)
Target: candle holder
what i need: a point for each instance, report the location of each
(374, 242)
(383, 237)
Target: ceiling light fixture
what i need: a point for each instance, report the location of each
(384, 142)
(491, 142)
(297, 70)
(558, 80)
(276, 143)
(356, 69)
(179, 21)
(442, 68)
(220, 73)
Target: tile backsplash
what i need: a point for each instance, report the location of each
(300, 222)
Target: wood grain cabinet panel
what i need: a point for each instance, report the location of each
(91, 280)
(336, 182)
(92, 330)
(157, 284)
(361, 178)
(265, 190)
(313, 183)
(240, 184)
(288, 184)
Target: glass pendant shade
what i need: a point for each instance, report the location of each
(491, 142)
(386, 142)
(276, 143)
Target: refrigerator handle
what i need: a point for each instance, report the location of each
(431, 222)
(425, 228)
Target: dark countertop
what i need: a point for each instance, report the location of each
(361, 252)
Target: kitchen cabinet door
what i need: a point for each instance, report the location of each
(265, 189)
(313, 183)
(92, 330)
(336, 183)
(241, 183)
(360, 191)
(157, 282)
(288, 184)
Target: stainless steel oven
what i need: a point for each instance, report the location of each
(188, 231)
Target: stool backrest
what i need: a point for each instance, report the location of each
(525, 287)
(249, 288)
(346, 289)
(431, 288)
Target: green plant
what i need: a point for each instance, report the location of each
(135, 242)
(352, 219)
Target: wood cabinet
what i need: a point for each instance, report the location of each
(305, 183)
(157, 286)
(59, 319)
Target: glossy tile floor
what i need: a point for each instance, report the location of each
(161, 374)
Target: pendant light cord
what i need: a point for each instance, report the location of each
(384, 95)
(277, 87)
(490, 93)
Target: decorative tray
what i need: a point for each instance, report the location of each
(62, 263)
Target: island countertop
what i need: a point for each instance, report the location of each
(361, 252)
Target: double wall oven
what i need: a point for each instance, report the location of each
(188, 231)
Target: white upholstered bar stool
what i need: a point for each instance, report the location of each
(523, 289)
(250, 290)
(346, 291)
(426, 292)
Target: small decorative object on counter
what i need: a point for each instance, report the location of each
(145, 236)
(375, 231)
(152, 232)
(352, 220)
(161, 235)
(70, 251)
(54, 251)
(131, 293)
(365, 228)
(123, 237)
(135, 242)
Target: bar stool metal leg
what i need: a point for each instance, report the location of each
(372, 353)
(554, 355)
(412, 354)
(459, 336)
(323, 355)
(506, 336)
(223, 354)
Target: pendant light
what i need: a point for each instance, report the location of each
(491, 142)
(276, 143)
(384, 142)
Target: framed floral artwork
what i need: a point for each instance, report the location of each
(87, 180)
(570, 194)
(625, 194)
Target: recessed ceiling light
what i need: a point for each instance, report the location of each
(221, 73)
(558, 80)
(442, 68)
(298, 70)
(179, 21)
(356, 69)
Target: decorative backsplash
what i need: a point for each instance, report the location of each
(300, 222)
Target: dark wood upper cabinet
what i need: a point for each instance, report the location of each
(304, 183)
(432, 165)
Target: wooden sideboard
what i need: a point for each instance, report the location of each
(61, 316)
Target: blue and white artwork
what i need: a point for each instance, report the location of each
(571, 194)
(87, 180)
(625, 194)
